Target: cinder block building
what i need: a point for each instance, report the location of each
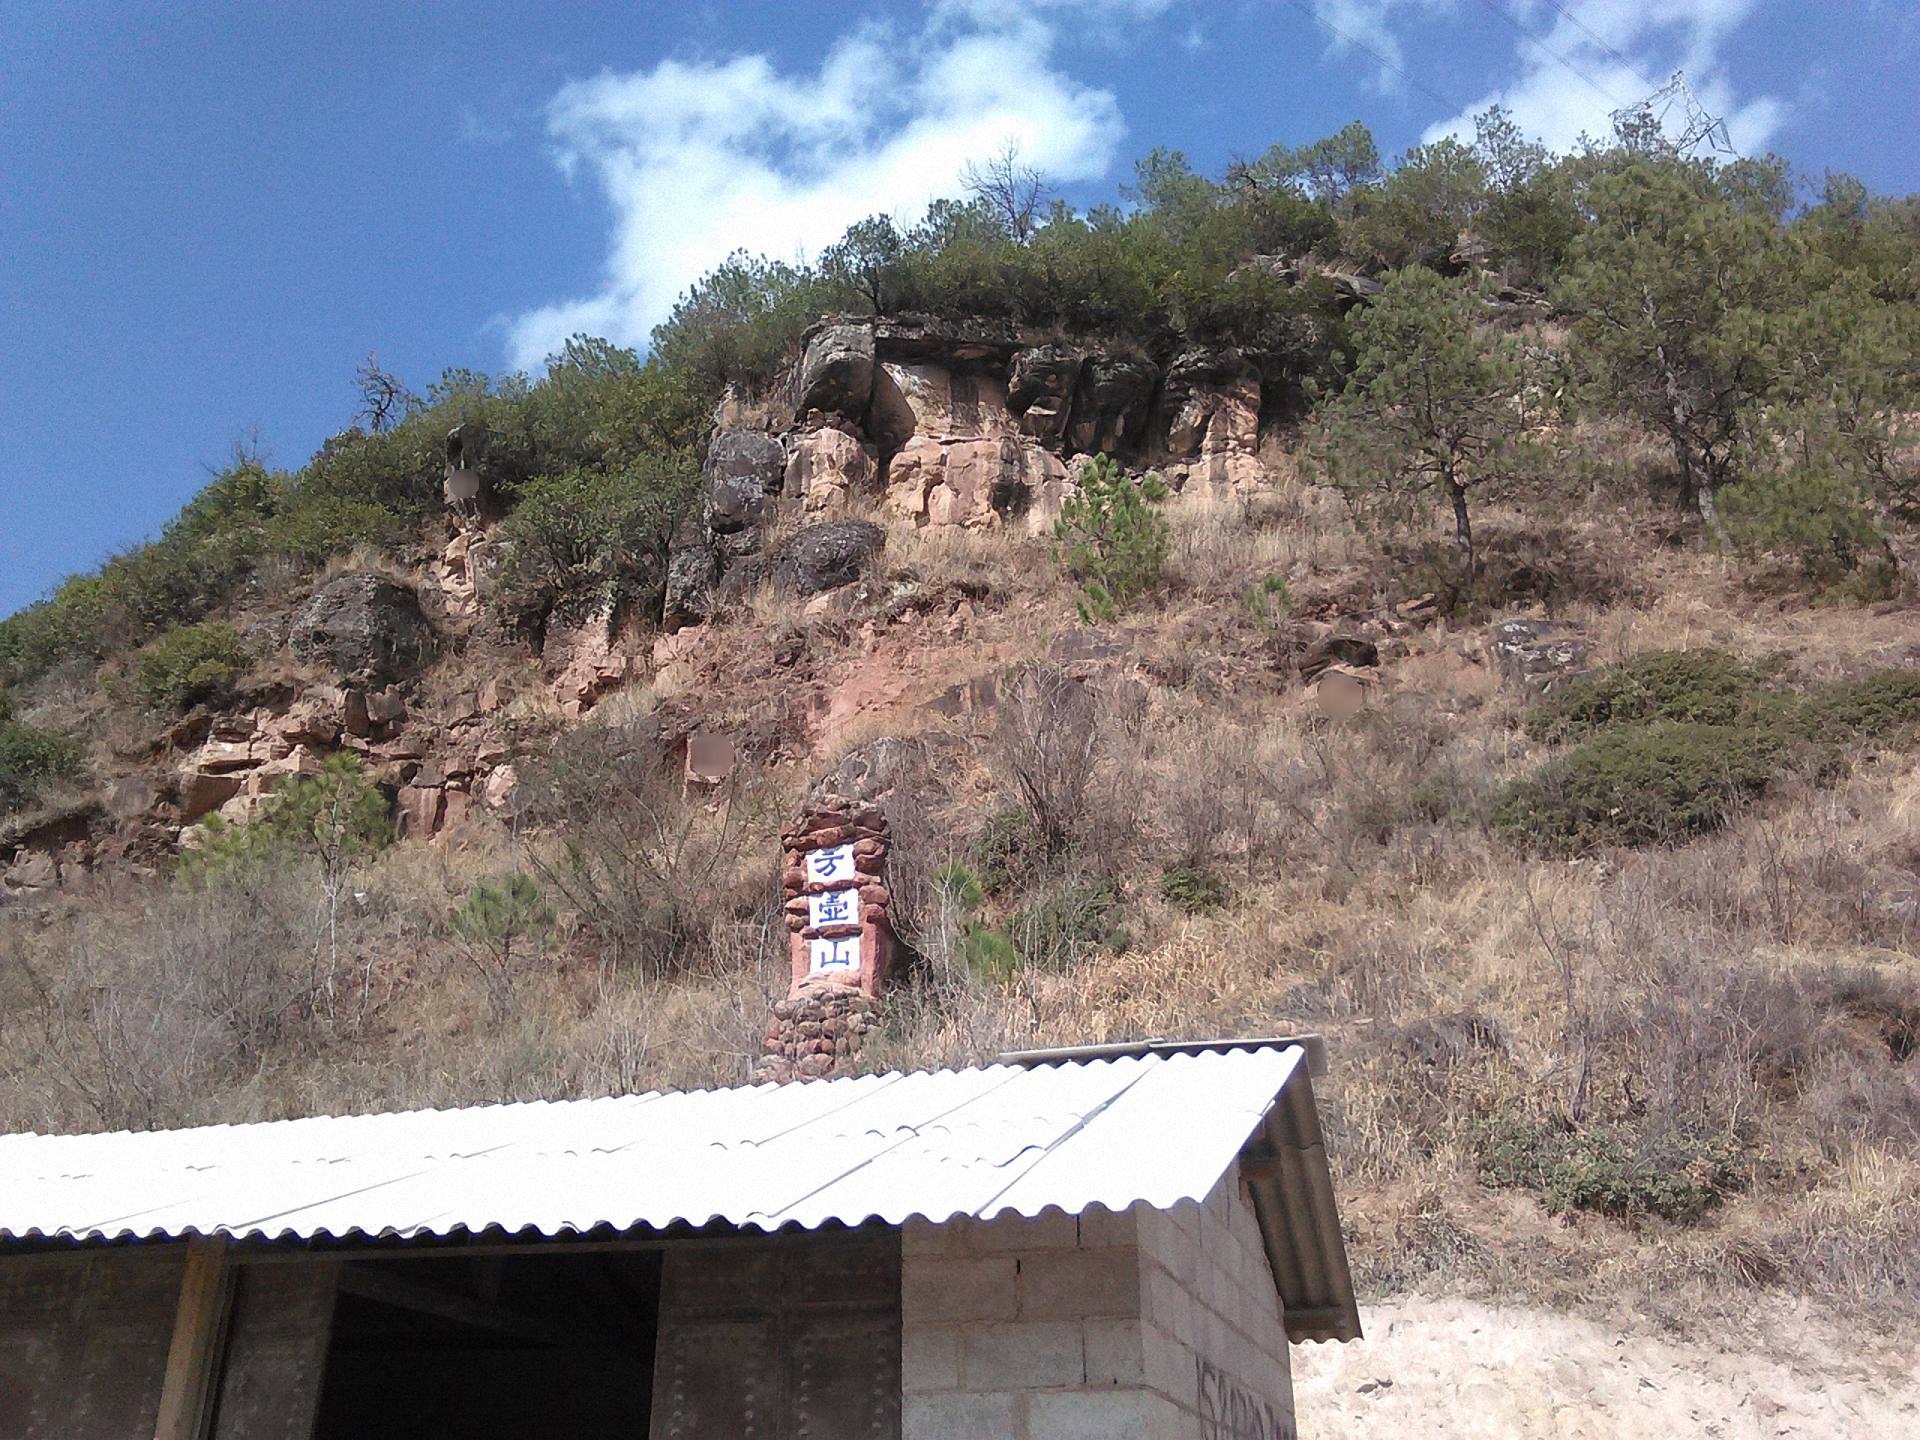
(1121, 1242)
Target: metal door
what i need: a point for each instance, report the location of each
(794, 1337)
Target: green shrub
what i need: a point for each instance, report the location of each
(30, 757)
(1194, 889)
(1702, 687)
(1269, 603)
(1009, 849)
(983, 950)
(332, 525)
(581, 543)
(190, 664)
(1882, 706)
(496, 917)
(1590, 1168)
(67, 625)
(1642, 785)
(1112, 539)
(1068, 920)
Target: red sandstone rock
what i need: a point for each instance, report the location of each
(201, 794)
(422, 810)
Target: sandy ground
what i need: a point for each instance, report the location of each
(1456, 1368)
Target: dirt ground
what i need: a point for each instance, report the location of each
(1443, 1369)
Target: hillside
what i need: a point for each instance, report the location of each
(1291, 605)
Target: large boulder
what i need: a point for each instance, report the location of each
(366, 628)
(1040, 388)
(692, 572)
(1111, 402)
(835, 374)
(1539, 656)
(826, 469)
(826, 556)
(740, 484)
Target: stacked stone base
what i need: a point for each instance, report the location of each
(816, 1033)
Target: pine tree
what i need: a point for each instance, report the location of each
(1112, 539)
(1435, 410)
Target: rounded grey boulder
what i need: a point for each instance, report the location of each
(367, 629)
(827, 555)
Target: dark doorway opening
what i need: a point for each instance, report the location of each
(507, 1347)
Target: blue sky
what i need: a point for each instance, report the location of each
(209, 213)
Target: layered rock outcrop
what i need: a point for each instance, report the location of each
(947, 424)
(1210, 411)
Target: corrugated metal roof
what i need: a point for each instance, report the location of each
(1153, 1129)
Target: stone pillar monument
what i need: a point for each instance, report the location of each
(841, 944)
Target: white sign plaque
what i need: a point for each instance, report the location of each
(834, 907)
(830, 866)
(834, 957)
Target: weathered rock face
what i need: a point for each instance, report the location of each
(1212, 404)
(827, 555)
(932, 401)
(835, 375)
(977, 344)
(826, 470)
(957, 455)
(976, 483)
(1040, 389)
(366, 628)
(1210, 410)
(740, 483)
(1111, 402)
(456, 571)
(585, 662)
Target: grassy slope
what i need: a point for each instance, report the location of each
(1366, 896)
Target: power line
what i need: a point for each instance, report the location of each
(1586, 30)
(1658, 101)
(1334, 30)
(1555, 56)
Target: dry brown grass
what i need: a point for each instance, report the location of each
(1760, 983)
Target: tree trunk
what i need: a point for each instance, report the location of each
(1463, 529)
(1709, 511)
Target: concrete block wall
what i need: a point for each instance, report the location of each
(1213, 1335)
(1018, 1329)
(1065, 1328)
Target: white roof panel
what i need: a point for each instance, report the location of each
(1155, 1128)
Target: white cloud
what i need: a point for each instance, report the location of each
(1367, 25)
(1576, 65)
(700, 158)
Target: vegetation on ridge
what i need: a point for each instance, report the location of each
(1641, 949)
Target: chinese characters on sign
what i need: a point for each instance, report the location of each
(831, 866)
(834, 957)
(835, 907)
